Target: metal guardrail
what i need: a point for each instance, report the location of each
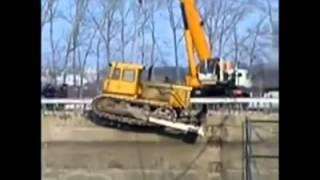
(216, 103)
(234, 100)
(253, 103)
(193, 101)
(66, 101)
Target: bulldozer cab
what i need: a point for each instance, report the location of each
(123, 79)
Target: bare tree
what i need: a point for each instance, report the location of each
(266, 7)
(49, 15)
(52, 9)
(221, 18)
(73, 41)
(98, 61)
(142, 16)
(153, 7)
(211, 12)
(135, 27)
(143, 24)
(175, 24)
(67, 52)
(252, 46)
(80, 12)
(142, 35)
(235, 36)
(138, 25)
(83, 61)
(124, 12)
(270, 9)
(152, 28)
(235, 49)
(105, 24)
(48, 11)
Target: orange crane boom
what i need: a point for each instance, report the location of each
(193, 23)
(196, 42)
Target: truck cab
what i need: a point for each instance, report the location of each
(243, 78)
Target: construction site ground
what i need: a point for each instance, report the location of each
(74, 148)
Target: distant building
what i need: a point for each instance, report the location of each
(89, 77)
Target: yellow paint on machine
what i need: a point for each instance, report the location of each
(124, 83)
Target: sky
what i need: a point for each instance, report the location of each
(163, 33)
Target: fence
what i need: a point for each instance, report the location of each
(250, 166)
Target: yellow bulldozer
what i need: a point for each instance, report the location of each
(126, 98)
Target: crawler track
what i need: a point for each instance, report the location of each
(114, 112)
(118, 112)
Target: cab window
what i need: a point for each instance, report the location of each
(116, 74)
(128, 75)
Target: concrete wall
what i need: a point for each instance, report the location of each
(264, 169)
(75, 148)
(130, 161)
(264, 138)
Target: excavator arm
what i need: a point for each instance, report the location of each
(193, 23)
(192, 76)
(196, 43)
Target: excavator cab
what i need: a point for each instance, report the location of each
(209, 71)
(123, 79)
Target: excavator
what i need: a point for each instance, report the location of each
(126, 99)
(212, 76)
